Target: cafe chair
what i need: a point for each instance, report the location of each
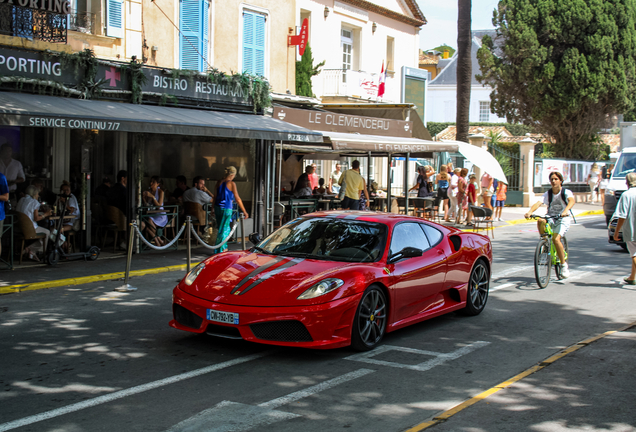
(479, 220)
(27, 231)
(430, 211)
(118, 219)
(196, 213)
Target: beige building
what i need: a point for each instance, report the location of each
(230, 35)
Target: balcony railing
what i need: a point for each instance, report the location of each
(83, 22)
(361, 84)
(29, 23)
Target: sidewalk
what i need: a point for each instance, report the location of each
(111, 265)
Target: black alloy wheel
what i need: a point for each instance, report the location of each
(369, 324)
(478, 287)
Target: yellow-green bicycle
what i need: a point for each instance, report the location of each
(546, 255)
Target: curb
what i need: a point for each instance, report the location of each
(89, 279)
(182, 267)
(445, 415)
(523, 221)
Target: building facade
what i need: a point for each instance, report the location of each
(357, 40)
(442, 91)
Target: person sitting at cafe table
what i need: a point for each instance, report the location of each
(118, 194)
(303, 184)
(177, 194)
(102, 189)
(198, 193)
(153, 197)
(353, 183)
(69, 201)
(320, 189)
(29, 205)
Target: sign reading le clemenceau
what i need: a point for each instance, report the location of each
(334, 122)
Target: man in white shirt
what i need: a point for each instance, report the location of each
(198, 193)
(334, 187)
(11, 168)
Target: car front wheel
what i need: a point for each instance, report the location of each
(369, 324)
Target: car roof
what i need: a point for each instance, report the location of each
(366, 216)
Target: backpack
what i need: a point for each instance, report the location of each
(562, 193)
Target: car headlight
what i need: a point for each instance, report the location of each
(322, 287)
(190, 277)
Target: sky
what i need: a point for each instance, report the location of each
(442, 20)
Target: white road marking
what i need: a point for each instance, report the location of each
(275, 403)
(512, 270)
(125, 393)
(439, 359)
(497, 288)
(230, 416)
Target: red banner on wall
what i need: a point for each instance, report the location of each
(301, 39)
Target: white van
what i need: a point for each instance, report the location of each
(626, 163)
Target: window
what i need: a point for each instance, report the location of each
(346, 40)
(408, 235)
(434, 236)
(390, 44)
(254, 43)
(115, 18)
(193, 46)
(484, 111)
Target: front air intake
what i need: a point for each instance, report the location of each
(281, 331)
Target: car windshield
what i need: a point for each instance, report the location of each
(328, 239)
(626, 164)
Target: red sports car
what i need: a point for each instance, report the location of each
(333, 279)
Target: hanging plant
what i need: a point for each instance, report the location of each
(137, 78)
(168, 98)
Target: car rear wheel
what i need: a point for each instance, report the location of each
(478, 286)
(369, 324)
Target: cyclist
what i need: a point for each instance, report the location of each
(559, 201)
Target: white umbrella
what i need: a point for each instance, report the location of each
(483, 159)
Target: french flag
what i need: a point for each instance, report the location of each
(382, 80)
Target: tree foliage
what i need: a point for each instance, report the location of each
(305, 69)
(561, 66)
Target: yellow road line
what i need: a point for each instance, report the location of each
(481, 396)
(89, 279)
(523, 221)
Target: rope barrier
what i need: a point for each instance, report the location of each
(207, 246)
(164, 247)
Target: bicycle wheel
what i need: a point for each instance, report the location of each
(542, 263)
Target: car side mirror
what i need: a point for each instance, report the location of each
(255, 238)
(407, 252)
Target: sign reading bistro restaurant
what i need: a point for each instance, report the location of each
(38, 65)
(334, 122)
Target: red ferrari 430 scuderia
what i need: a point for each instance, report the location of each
(333, 279)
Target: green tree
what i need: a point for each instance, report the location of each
(561, 66)
(305, 69)
(464, 68)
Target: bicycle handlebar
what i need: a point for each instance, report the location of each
(546, 217)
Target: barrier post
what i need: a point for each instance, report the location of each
(189, 246)
(126, 287)
(242, 216)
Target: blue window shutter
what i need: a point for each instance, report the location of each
(253, 43)
(114, 18)
(205, 36)
(190, 36)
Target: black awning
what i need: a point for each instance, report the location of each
(19, 109)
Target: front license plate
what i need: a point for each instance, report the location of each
(224, 317)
